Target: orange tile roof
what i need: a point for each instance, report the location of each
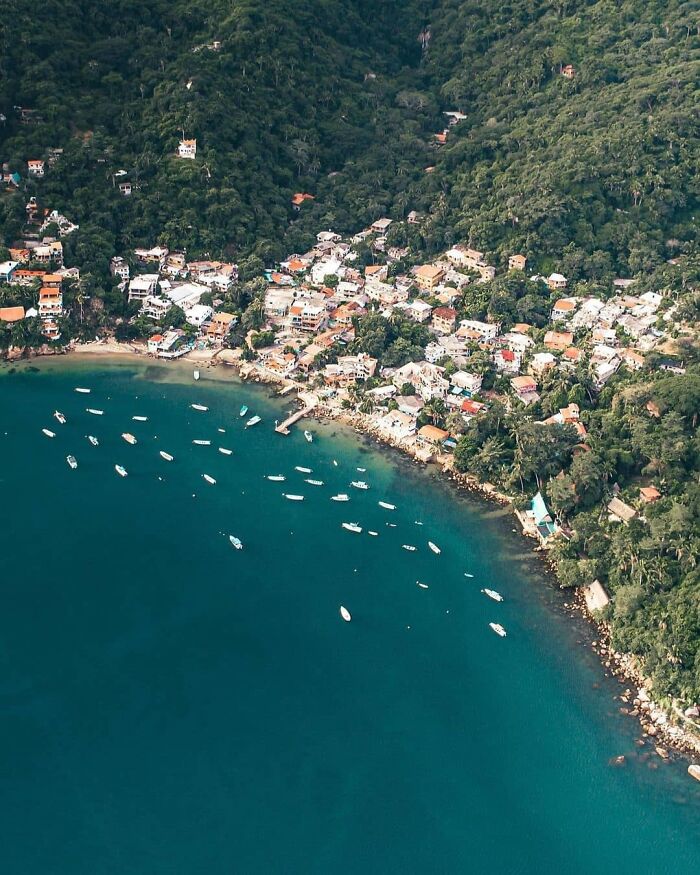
(11, 314)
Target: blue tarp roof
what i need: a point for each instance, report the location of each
(539, 509)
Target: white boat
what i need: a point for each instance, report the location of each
(359, 484)
(313, 482)
(244, 409)
(362, 470)
(221, 430)
(82, 390)
(164, 455)
(72, 462)
(277, 478)
(293, 497)
(492, 594)
(434, 548)
(195, 374)
(48, 432)
(341, 496)
(254, 420)
(498, 629)
(335, 464)
(121, 470)
(409, 547)
(386, 505)
(309, 437)
(392, 525)
(422, 585)
(467, 574)
(237, 543)
(303, 470)
(129, 438)
(94, 411)
(199, 407)
(209, 479)
(140, 418)
(60, 417)
(418, 522)
(224, 451)
(202, 443)
(351, 527)
(373, 534)
(93, 440)
(345, 614)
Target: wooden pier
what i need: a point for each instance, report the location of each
(283, 427)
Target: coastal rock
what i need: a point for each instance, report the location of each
(662, 752)
(694, 772)
(693, 711)
(617, 761)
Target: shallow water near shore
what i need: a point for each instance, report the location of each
(172, 705)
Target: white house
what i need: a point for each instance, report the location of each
(118, 267)
(467, 382)
(198, 314)
(186, 295)
(142, 286)
(187, 149)
(487, 331)
(322, 269)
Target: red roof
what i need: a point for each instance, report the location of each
(508, 355)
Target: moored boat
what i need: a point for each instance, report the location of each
(434, 548)
(237, 543)
(243, 410)
(373, 534)
(492, 594)
(351, 527)
(313, 482)
(140, 418)
(277, 478)
(59, 417)
(335, 464)
(422, 585)
(254, 420)
(129, 438)
(467, 574)
(224, 451)
(164, 455)
(345, 614)
(195, 374)
(199, 407)
(362, 470)
(48, 432)
(82, 390)
(209, 479)
(94, 411)
(202, 443)
(386, 505)
(93, 440)
(121, 470)
(359, 484)
(302, 469)
(291, 497)
(498, 629)
(341, 496)
(72, 462)
(409, 547)
(309, 437)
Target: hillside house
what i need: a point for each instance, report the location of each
(300, 198)
(444, 319)
(485, 331)
(542, 362)
(187, 149)
(7, 271)
(517, 262)
(525, 388)
(620, 512)
(563, 309)
(380, 226)
(556, 282)
(35, 168)
(568, 71)
(349, 369)
(142, 286)
(428, 276)
(198, 314)
(11, 315)
(467, 382)
(119, 268)
(426, 379)
(507, 361)
(558, 340)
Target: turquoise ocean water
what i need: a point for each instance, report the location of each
(171, 705)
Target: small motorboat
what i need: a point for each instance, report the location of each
(94, 411)
(359, 484)
(199, 407)
(335, 464)
(93, 440)
(291, 497)
(129, 438)
(313, 482)
(418, 522)
(361, 470)
(195, 374)
(345, 614)
(140, 418)
(434, 548)
(221, 430)
(276, 478)
(237, 543)
(243, 410)
(302, 470)
(351, 527)
(48, 432)
(492, 594)
(209, 479)
(59, 417)
(309, 437)
(254, 420)
(202, 443)
(121, 470)
(72, 462)
(467, 574)
(225, 452)
(422, 585)
(164, 455)
(386, 505)
(409, 547)
(341, 496)
(82, 390)
(373, 534)
(498, 629)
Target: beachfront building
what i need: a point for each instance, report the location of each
(198, 314)
(426, 379)
(349, 369)
(141, 287)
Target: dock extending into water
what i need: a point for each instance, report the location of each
(284, 427)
